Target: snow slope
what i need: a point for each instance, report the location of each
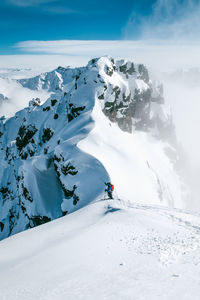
(136, 163)
(105, 121)
(106, 250)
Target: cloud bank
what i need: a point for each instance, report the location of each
(169, 37)
(164, 55)
(167, 20)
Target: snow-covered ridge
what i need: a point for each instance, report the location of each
(101, 120)
(125, 91)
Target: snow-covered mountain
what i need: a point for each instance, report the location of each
(105, 121)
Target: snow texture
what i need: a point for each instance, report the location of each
(103, 122)
(106, 250)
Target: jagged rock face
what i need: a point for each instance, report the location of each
(126, 93)
(43, 174)
(3, 98)
(134, 106)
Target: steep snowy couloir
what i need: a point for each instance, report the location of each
(105, 121)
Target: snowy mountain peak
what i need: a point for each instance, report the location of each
(126, 93)
(103, 122)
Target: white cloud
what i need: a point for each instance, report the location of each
(29, 3)
(18, 96)
(47, 6)
(159, 54)
(169, 19)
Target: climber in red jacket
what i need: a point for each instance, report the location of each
(109, 189)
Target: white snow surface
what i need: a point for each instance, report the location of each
(44, 178)
(110, 249)
(129, 248)
(136, 163)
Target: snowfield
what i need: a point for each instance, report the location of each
(107, 121)
(106, 250)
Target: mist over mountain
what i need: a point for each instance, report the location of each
(182, 90)
(99, 150)
(107, 121)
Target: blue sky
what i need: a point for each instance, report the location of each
(22, 20)
(53, 20)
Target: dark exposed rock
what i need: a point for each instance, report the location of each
(26, 193)
(38, 220)
(5, 192)
(47, 108)
(109, 71)
(69, 194)
(53, 102)
(68, 169)
(25, 135)
(24, 155)
(144, 75)
(124, 69)
(73, 111)
(47, 134)
(35, 102)
(12, 217)
(1, 226)
(101, 97)
(134, 111)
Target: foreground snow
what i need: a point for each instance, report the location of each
(106, 250)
